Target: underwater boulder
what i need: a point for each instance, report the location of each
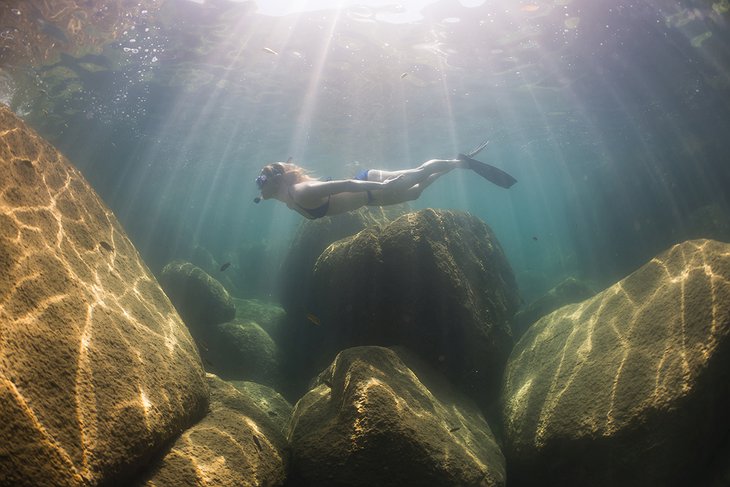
(371, 420)
(311, 239)
(299, 336)
(97, 370)
(242, 350)
(629, 387)
(269, 401)
(201, 257)
(200, 299)
(269, 316)
(434, 281)
(570, 290)
(235, 444)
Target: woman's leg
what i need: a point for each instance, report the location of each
(413, 181)
(419, 174)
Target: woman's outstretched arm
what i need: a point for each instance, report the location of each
(321, 189)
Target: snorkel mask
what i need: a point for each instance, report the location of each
(262, 179)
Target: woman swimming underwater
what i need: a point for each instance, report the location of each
(314, 199)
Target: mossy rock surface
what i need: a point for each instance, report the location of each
(200, 299)
(434, 281)
(312, 238)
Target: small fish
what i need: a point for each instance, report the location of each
(225, 266)
(403, 75)
(271, 51)
(313, 319)
(454, 429)
(106, 246)
(258, 442)
(534, 238)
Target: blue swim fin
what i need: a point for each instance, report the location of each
(490, 173)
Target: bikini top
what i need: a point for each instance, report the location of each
(313, 213)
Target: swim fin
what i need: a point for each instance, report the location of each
(490, 173)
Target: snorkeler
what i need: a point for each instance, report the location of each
(314, 199)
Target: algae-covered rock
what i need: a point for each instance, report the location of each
(242, 350)
(312, 238)
(299, 336)
(629, 387)
(372, 421)
(235, 444)
(268, 315)
(434, 281)
(97, 370)
(199, 298)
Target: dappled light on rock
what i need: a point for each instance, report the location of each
(96, 368)
(628, 387)
(236, 444)
(371, 420)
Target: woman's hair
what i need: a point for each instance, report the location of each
(291, 172)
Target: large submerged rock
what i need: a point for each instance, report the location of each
(298, 336)
(630, 387)
(434, 281)
(568, 291)
(373, 420)
(97, 370)
(236, 444)
(311, 239)
(200, 299)
(242, 350)
(268, 400)
(268, 316)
